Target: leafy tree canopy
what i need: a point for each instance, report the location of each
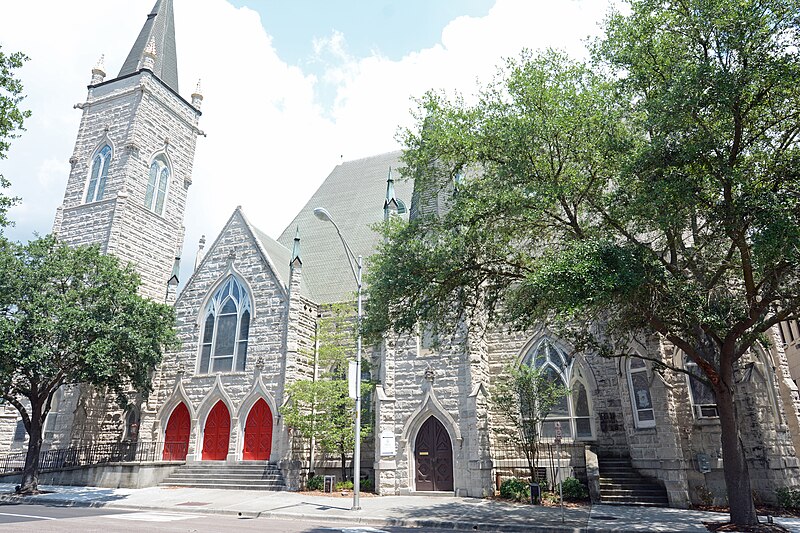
(72, 315)
(11, 116)
(654, 190)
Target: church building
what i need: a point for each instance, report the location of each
(248, 318)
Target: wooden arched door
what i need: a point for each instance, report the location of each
(217, 433)
(176, 437)
(258, 433)
(433, 457)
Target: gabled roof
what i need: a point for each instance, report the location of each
(354, 194)
(159, 26)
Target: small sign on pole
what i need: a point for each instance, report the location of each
(558, 433)
(352, 380)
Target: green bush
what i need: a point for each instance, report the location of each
(344, 485)
(574, 490)
(315, 483)
(515, 489)
(788, 497)
(366, 485)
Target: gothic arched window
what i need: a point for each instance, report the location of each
(98, 174)
(157, 186)
(704, 402)
(572, 412)
(639, 385)
(226, 326)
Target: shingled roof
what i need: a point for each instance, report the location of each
(159, 26)
(354, 194)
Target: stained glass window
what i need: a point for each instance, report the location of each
(639, 386)
(226, 329)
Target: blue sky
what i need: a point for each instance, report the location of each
(392, 28)
(292, 88)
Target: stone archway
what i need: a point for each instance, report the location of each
(433, 457)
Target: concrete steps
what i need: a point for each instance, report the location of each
(256, 475)
(621, 484)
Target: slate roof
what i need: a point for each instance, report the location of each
(354, 194)
(279, 256)
(160, 25)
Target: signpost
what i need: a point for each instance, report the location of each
(558, 462)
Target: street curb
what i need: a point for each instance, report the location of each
(306, 517)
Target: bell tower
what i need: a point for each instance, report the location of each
(132, 163)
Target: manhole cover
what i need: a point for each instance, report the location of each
(603, 517)
(194, 504)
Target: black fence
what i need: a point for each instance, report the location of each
(94, 454)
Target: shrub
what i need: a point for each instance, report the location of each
(344, 485)
(515, 489)
(574, 489)
(366, 485)
(788, 497)
(315, 483)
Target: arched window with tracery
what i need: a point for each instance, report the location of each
(226, 326)
(157, 186)
(573, 411)
(98, 174)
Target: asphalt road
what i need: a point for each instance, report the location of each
(44, 518)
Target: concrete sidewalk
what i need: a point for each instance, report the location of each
(415, 511)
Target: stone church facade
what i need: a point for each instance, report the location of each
(248, 317)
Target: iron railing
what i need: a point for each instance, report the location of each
(93, 454)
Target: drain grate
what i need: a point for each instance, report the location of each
(603, 517)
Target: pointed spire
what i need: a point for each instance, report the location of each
(197, 96)
(99, 71)
(296, 261)
(390, 204)
(159, 28)
(200, 253)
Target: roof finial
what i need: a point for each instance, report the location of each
(296, 261)
(390, 205)
(149, 55)
(197, 96)
(200, 253)
(99, 71)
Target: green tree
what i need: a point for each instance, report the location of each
(68, 316)
(653, 193)
(11, 116)
(320, 408)
(524, 401)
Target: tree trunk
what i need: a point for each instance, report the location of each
(344, 467)
(30, 474)
(737, 476)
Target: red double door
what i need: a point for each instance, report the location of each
(217, 433)
(258, 433)
(176, 438)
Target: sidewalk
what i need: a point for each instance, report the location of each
(419, 511)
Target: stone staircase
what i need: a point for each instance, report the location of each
(252, 475)
(621, 484)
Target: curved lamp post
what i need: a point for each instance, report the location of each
(356, 267)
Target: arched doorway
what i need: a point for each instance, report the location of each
(433, 457)
(217, 433)
(176, 437)
(258, 433)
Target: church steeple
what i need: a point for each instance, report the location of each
(158, 29)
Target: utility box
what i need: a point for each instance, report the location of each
(330, 482)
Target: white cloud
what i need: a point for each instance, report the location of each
(271, 141)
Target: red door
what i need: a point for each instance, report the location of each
(217, 433)
(258, 433)
(176, 438)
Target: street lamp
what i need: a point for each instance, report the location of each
(356, 267)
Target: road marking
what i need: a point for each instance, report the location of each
(29, 516)
(356, 529)
(151, 517)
